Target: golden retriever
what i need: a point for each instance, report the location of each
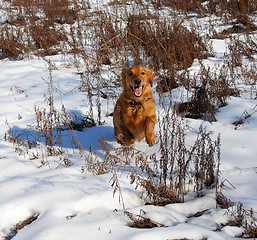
(134, 114)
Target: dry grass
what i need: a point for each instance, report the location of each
(140, 221)
(241, 217)
(104, 39)
(168, 176)
(44, 138)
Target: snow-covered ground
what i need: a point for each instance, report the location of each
(71, 204)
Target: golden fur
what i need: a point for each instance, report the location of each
(134, 115)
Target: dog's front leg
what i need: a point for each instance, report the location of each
(122, 134)
(119, 135)
(149, 131)
(118, 129)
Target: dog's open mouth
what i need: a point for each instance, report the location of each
(138, 90)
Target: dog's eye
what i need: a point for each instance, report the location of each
(143, 73)
(130, 74)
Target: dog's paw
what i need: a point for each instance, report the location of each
(120, 139)
(130, 141)
(150, 141)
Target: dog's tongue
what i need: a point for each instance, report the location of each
(138, 91)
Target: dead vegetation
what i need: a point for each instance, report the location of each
(167, 45)
(140, 221)
(167, 176)
(20, 226)
(103, 39)
(43, 139)
(241, 217)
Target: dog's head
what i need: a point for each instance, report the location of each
(136, 81)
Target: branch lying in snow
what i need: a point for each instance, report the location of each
(245, 115)
(140, 221)
(21, 225)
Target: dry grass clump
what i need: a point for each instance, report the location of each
(140, 221)
(54, 11)
(44, 139)
(240, 217)
(181, 165)
(166, 177)
(231, 8)
(169, 45)
(211, 89)
(11, 45)
(183, 5)
(35, 26)
(51, 27)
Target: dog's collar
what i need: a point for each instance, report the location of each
(133, 102)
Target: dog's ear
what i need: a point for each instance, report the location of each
(123, 75)
(150, 76)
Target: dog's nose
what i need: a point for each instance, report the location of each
(137, 81)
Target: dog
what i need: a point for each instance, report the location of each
(134, 114)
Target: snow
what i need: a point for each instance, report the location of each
(72, 204)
